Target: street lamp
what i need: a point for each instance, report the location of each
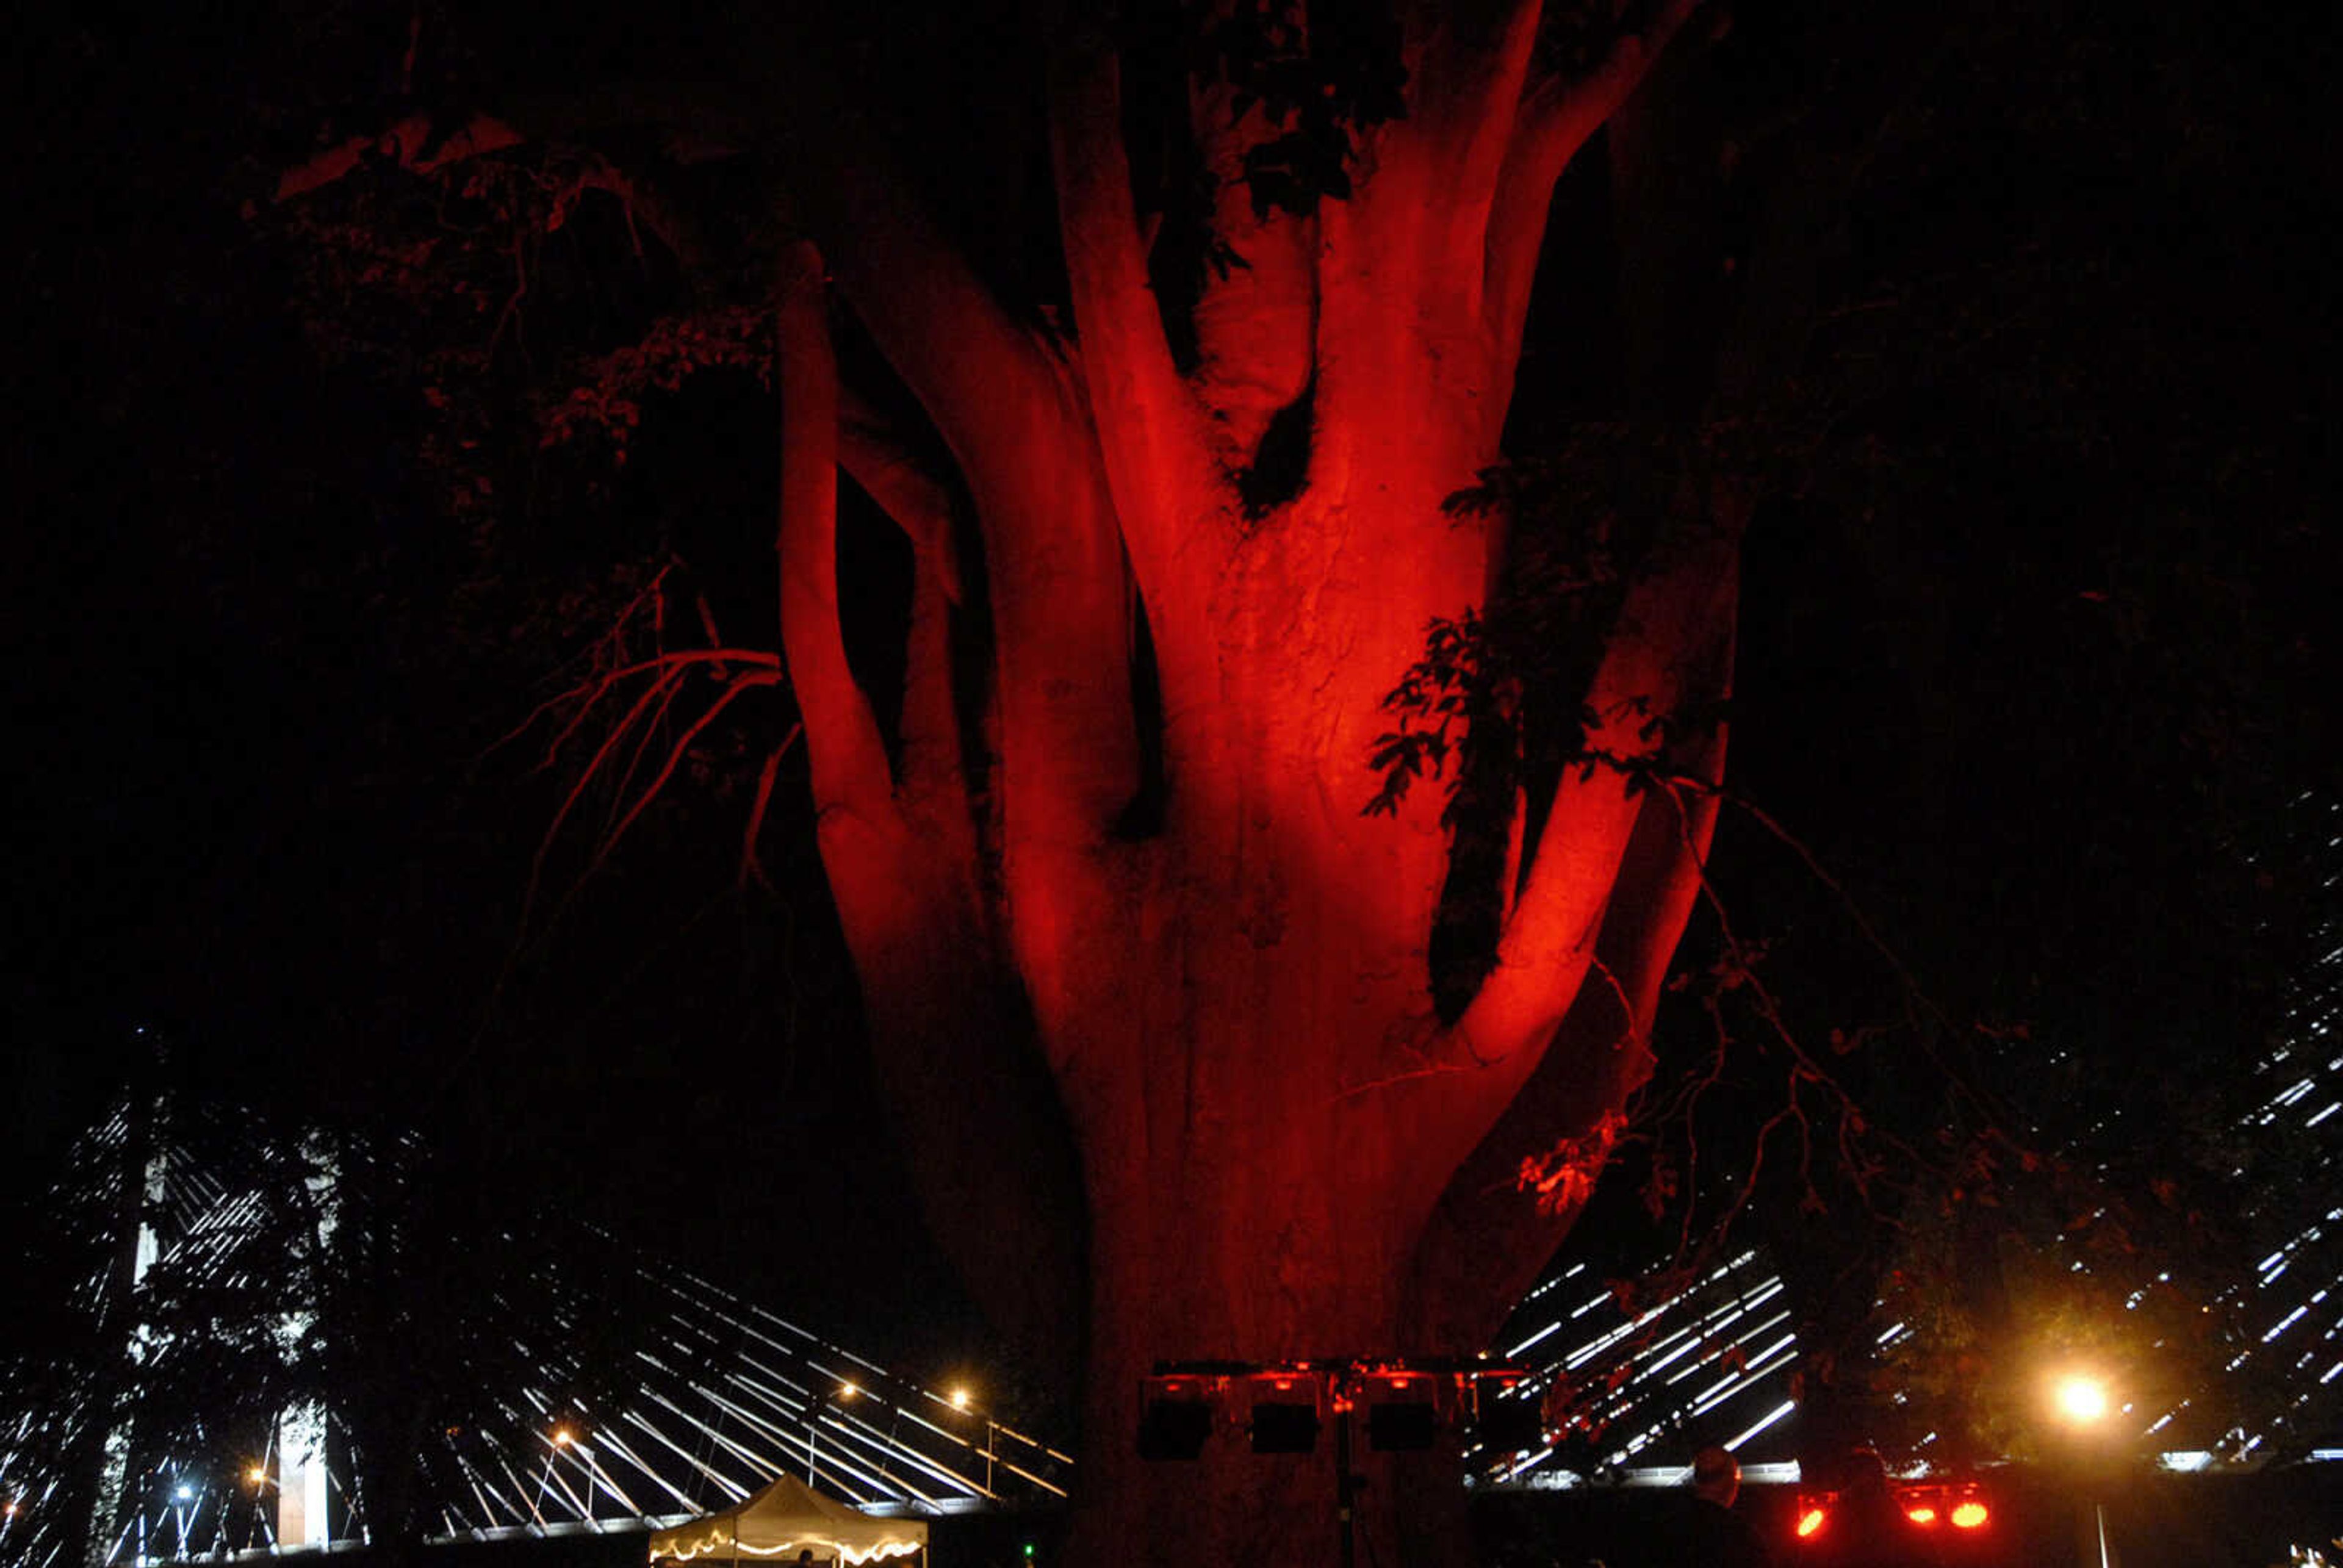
(2081, 1400)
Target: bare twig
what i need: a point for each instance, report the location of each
(751, 868)
(673, 758)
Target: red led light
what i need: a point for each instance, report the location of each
(1969, 1515)
(1923, 1514)
(1810, 1524)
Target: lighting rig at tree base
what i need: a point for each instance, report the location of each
(1281, 1407)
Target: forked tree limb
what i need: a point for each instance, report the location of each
(595, 765)
(1475, 66)
(1549, 937)
(640, 722)
(989, 1158)
(1555, 119)
(845, 756)
(1158, 462)
(1018, 426)
(674, 756)
(1488, 1238)
(588, 694)
(971, 365)
(906, 489)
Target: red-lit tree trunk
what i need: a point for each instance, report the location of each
(1281, 1150)
(1154, 1009)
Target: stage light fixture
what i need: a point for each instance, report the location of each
(1284, 1414)
(1402, 1413)
(1175, 1417)
(1508, 1425)
(1397, 1428)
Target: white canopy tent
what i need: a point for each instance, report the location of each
(784, 1519)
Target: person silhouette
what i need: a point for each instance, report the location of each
(1709, 1534)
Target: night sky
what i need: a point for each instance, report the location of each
(2030, 658)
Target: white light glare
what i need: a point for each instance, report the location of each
(2081, 1400)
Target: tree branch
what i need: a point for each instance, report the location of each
(1486, 1224)
(1473, 73)
(843, 749)
(1157, 460)
(929, 960)
(1665, 633)
(1556, 118)
(979, 375)
(675, 757)
(1019, 428)
(905, 487)
(752, 866)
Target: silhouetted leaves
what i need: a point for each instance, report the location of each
(1322, 81)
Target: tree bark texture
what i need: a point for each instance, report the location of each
(1178, 1090)
(1147, 986)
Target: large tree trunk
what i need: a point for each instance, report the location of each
(1282, 1149)
(1149, 989)
(1267, 1109)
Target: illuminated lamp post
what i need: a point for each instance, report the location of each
(2081, 1404)
(256, 1476)
(2081, 1400)
(182, 1494)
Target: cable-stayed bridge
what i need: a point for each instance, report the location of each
(714, 1396)
(1714, 1363)
(189, 1215)
(724, 1393)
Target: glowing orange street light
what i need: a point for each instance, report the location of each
(562, 1437)
(256, 1475)
(959, 1399)
(2080, 1400)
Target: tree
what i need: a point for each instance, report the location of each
(1144, 909)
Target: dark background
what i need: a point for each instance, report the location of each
(2036, 651)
